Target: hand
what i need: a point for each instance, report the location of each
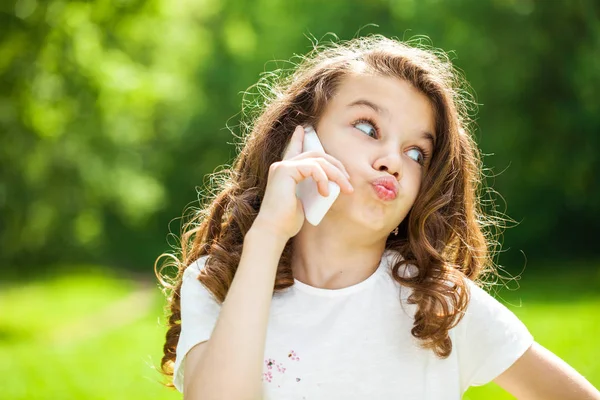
(281, 211)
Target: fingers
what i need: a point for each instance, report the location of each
(294, 147)
(322, 171)
(322, 167)
(335, 174)
(318, 154)
(316, 171)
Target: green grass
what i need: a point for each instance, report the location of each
(48, 353)
(569, 330)
(81, 335)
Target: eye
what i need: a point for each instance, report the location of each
(366, 126)
(369, 126)
(417, 155)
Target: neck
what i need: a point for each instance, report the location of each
(333, 256)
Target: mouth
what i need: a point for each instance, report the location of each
(383, 192)
(385, 187)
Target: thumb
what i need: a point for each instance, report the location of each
(294, 147)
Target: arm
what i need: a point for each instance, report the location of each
(229, 365)
(540, 374)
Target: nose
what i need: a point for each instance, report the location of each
(390, 162)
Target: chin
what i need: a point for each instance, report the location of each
(373, 215)
(374, 223)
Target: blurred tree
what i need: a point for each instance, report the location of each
(113, 111)
(96, 98)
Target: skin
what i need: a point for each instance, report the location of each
(540, 374)
(350, 239)
(346, 247)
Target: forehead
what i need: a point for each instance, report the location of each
(396, 99)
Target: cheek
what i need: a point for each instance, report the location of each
(340, 149)
(413, 182)
(345, 157)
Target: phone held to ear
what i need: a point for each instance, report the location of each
(315, 205)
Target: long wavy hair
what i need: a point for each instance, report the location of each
(447, 235)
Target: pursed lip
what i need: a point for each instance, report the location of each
(387, 182)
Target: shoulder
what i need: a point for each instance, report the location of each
(482, 304)
(481, 311)
(192, 289)
(193, 269)
(490, 337)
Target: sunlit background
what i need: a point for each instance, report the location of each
(112, 113)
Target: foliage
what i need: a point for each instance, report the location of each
(113, 111)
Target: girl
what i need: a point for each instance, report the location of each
(380, 300)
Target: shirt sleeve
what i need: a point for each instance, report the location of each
(490, 338)
(199, 313)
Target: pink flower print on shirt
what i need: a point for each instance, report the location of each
(268, 376)
(269, 363)
(293, 356)
(280, 368)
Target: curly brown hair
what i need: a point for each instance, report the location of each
(446, 235)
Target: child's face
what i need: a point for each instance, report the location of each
(374, 143)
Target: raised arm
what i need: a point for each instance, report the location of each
(229, 365)
(539, 374)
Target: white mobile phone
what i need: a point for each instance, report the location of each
(315, 205)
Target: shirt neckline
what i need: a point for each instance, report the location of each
(383, 264)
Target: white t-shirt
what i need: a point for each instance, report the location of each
(355, 342)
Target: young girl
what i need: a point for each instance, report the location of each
(382, 299)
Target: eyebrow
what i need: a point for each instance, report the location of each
(384, 111)
(373, 106)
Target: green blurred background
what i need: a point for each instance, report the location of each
(113, 112)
